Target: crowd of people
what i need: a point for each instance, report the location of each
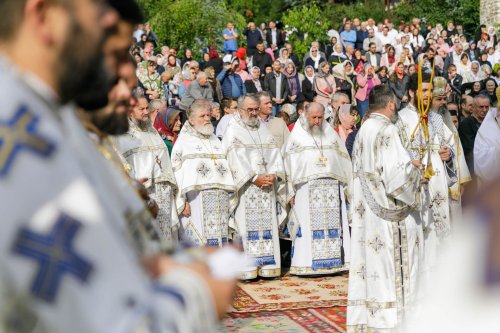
(144, 166)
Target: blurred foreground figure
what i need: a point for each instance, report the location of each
(470, 293)
(66, 261)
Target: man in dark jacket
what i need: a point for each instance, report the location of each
(261, 59)
(253, 37)
(361, 35)
(274, 37)
(231, 83)
(276, 84)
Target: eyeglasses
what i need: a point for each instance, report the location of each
(151, 64)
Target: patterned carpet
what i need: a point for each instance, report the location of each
(290, 304)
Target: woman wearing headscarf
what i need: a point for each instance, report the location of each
(188, 56)
(463, 66)
(345, 120)
(338, 56)
(330, 47)
(188, 75)
(398, 82)
(253, 83)
(172, 64)
(324, 84)
(342, 74)
(367, 79)
(284, 56)
(308, 84)
(168, 125)
(314, 58)
(293, 80)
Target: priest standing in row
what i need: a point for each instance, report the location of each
(148, 160)
(387, 240)
(319, 172)
(206, 187)
(436, 154)
(257, 167)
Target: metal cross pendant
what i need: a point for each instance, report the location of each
(323, 160)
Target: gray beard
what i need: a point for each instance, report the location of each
(251, 122)
(315, 131)
(144, 125)
(205, 130)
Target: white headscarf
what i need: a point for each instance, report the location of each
(316, 58)
(310, 78)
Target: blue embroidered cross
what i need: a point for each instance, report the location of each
(55, 255)
(19, 133)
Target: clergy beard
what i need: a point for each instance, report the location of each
(315, 130)
(443, 111)
(144, 125)
(252, 122)
(205, 130)
(110, 120)
(394, 118)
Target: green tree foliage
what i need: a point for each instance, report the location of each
(308, 24)
(442, 11)
(193, 24)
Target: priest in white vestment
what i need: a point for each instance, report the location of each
(487, 148)
(257, 167)
(147, 156)
(206, 187)
(439, 102)
(435, 212)
(386, 240)
(319, 172)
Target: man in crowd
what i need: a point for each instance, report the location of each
(361, 35)
(274, 38)
(338, 99)
(198, 89)
(348, 36)
(293, 56)
(253, 37)
(261, 59)
(230, 106)
(466, 107)
(435, 153)
(276, 126)
(276, 84)
(39, 73)
(469, 126)
(257, 167)
(205, 197)
(148, 158)
(372, 56)
(372, 39)
(387, 241)
(231, 83)
(301, 108)
(319, 173)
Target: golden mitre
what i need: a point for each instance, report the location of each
(439, 86)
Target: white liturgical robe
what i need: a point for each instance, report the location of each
(487, 148)
(386, 240)
(206, 183)
(63, 242)
(147, 156)
(435, 212)
(251, 152)
(319, 172)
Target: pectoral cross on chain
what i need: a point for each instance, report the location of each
(158, 161)
(263, 164)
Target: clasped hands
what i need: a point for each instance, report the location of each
(264, 181)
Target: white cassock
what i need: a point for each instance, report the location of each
(319, 172)
(205, 181)
(487, 148)
(386, 240)
(64, 232)
(147, 155)
(462, 172)
(251, 152)
(435, 212)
